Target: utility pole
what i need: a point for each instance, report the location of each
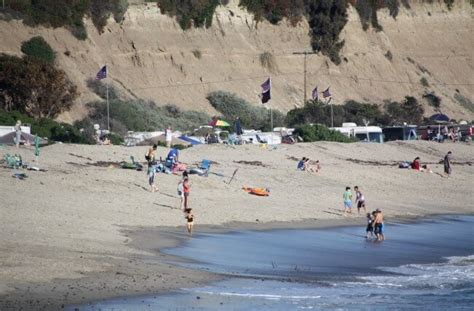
(305, 53)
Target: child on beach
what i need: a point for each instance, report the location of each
(151, 173)
(189, 216)
(360, 200)
(347, 196)
(370, 226)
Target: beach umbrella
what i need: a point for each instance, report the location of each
(217, 122)
(439, 118)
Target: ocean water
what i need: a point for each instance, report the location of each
(427, 265)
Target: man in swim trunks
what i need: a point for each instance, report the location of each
(347, 196)
(360, 200)
(378, 225)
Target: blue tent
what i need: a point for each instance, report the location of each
(439, 117)
(190, 140)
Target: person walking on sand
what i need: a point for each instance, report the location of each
(347, 196)
(181, 191)
(18, 133)
(168, 136)
(378, 225)
(447, 164)
(186, 190)
(360, 200)
(189, 216)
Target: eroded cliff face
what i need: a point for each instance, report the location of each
(150, 57)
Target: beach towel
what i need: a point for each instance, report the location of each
(263, 192)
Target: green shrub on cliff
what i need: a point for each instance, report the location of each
(38, 48)
(197, 13)
(68, 13)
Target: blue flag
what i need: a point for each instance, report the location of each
(102, 74)
(266, 88)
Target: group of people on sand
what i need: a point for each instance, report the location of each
(416, 165)
(172, 160)
(374, 220)
(305, 165)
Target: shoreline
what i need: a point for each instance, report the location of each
(145, 239)
(82, 231)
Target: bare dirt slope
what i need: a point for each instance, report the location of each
(150, 57)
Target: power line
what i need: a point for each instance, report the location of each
(354, 78)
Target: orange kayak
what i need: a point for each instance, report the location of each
(257, 191)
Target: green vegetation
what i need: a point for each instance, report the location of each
(433, 100)
(424, 82)
(34, 87)
(38, 48)
(409, 111)
(47, 128)
(197, 54)
(189, 13)
(68, 13)
(267, 60)
(231, 106)
(351, 111)
(140, 115)
(464, 102)
(319, 132)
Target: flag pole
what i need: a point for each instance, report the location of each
(332, 113)
(108, 109)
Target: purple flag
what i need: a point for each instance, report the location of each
(326, 93)
(266, 88)
(315, 94)
(102, 74)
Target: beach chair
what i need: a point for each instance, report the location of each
(205, 165)
(260, 140)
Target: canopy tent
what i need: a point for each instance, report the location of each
(162, 138)
(9, 139)
(439, 118)
(190, 140)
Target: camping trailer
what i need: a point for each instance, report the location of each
(371, 134)
(402, 132)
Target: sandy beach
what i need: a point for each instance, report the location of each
(86, 229)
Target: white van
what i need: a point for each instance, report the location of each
(371, 134)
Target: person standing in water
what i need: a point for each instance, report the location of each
(347, 196)
(378, 225)
(447, 164)
(189, 216)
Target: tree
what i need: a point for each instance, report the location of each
(33, 87)
(326, 19)
(409, 111)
